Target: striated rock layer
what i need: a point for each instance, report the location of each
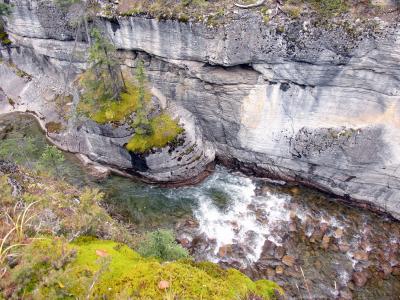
(309, 104)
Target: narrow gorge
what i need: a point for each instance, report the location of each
(297, 104)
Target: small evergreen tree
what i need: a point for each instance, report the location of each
(162, 245)
(5, 9)
(51, 160)
(104, 80)
(141, 124)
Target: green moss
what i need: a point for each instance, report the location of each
(4, 40)
(104, 110)
(90, 268)
(329, 8)
(164, 129)
(293, 11)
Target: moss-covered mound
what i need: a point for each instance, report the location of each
(99, 269)
(164, 130)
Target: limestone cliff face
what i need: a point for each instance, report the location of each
(307, 104)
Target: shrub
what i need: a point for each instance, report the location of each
(161, 244)
(51, 160)
(164, 130)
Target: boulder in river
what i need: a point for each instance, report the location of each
(289, 260)
(360, 278)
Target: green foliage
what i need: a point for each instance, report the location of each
(5, 9)
(164, 130)
(149, 133)
(4, 40)
(5, 192)
(141, 122)
(18, 149)
(103, 81)
(329, 7)
(325, 8)
(105, 111)
(105, 65)
(96, 269)
(51, 160)
(161, 244)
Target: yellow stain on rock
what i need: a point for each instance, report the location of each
(390, 117)
(253, 107)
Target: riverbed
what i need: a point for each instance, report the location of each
(310, 243)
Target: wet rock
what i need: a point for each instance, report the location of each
(345, 295)
(289, 260)
(192, 223)
(279, 252)
(396, 271)
(360, 278)
(324, 227)
(200, 242)
(386, 269)
(360, 255)
(279, 270)
(318, 265)
(334, 248)
(184, 242)
(344, 248)
(224, 250)
(338, 233)
(261, 216)
(316, 236)
(250, 236)
(325, 242)
(268, 248)
(292, 272)
(270, 273)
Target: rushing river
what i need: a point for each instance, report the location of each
(311, 245)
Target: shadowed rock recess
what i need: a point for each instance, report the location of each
(308, 104)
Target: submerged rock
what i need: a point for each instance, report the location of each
(360, 278)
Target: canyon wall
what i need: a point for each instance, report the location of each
(313, 104)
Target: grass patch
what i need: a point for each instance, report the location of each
(99, 269)
(324, 8)
(164, 130)
(329, 7)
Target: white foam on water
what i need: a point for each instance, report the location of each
(237, 223)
